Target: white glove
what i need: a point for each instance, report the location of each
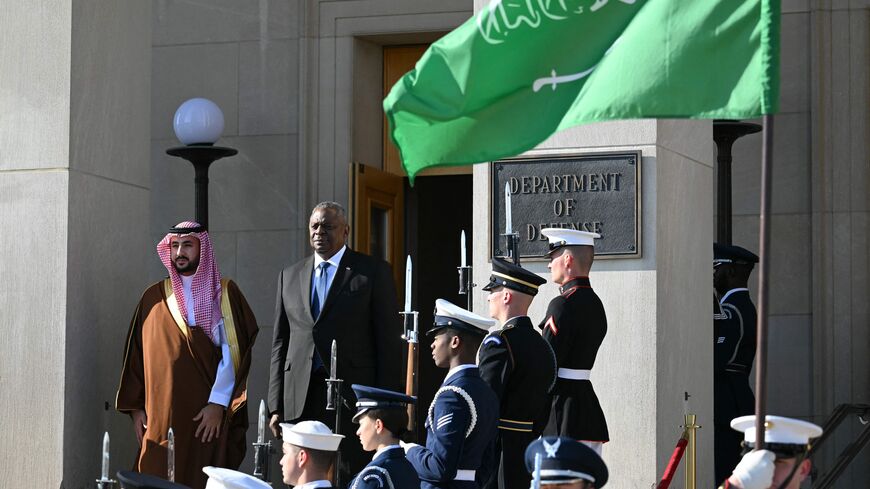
(407, 446)
(755, 470)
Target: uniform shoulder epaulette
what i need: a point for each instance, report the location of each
(497, 337)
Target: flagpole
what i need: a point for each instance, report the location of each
(763, 279)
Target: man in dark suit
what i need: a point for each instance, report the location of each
(733, 351)
(335, 294)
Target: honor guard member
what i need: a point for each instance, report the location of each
(783, 464)
(567, 463)
(462, 419)
(575, 326)
(135, 480)
(734, 351)
(383, 417)
(520, 367)
(220, 478)
(309, 449)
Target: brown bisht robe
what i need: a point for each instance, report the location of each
(169, 369)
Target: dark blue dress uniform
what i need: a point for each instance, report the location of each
(389, 469)
(520, 367)
(734, 333)
(575, 326)
(462, 425)
(563, 460)
(462, 420)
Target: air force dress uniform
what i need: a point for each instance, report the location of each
(462, 420)
(520, 367)
(734, 332)
(575, 326)
(389, 469)
(564, 461)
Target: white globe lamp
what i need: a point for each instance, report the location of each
(198, 121)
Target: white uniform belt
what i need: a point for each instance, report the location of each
(574, 374)
(465, 475)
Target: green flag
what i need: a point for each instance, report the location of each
(520, 70)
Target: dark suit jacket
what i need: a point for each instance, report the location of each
(360, 312)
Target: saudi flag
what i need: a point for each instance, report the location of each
(520, 70)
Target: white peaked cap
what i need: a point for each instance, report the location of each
(778, 429)
(220, 478)
(447, 309)
(310, 434)
(560, 237)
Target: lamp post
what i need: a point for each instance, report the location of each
(198, 124)
(725, 132)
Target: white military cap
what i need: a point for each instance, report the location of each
(560, 237)
(310, 434)
(220, 478)
(781, 435)
(449, 315)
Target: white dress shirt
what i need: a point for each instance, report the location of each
(225, 379)
(334, 260)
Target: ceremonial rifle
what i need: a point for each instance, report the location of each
(262, 448)
(536, 474)
(513, 239)
(104, 482)
(170, 456)
(333, 403)
(465, 276)
(411, 336)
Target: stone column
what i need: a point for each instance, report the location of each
(659, 340)
(74, 178)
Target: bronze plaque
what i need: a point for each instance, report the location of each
(598, 193)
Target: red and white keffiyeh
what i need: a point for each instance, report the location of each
(206, 286)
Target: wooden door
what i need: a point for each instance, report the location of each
(399, 60)
(378, 216)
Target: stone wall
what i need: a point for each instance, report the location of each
(820, 321)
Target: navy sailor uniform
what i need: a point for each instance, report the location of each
(734, 332)
(575, 326)
(389, 469)
(461, 427)
(520, 367)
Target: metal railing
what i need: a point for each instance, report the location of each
(840, 414)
